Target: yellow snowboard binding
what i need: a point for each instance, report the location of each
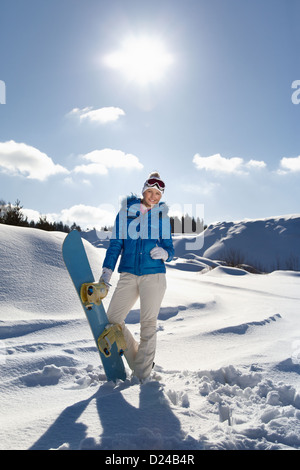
(93, 293)
(112, 334)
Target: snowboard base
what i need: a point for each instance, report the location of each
(78, 266)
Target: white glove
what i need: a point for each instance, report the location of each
(105, 276)
(159, 253)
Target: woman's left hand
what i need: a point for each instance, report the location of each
(159, 253)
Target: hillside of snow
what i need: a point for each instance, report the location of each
(265, 244)
(227, 373)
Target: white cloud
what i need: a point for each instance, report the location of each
(100, 116)
(83, 215)
(91, 169)
(102, 160)
(87, 216)
(256, 164)
(204, 188)
(218, 164)
(22, 159)
(31, 214)
(289, 165)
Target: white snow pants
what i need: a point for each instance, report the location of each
(150, 289)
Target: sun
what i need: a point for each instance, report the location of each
(143, 60)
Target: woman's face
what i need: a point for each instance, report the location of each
(151, 197)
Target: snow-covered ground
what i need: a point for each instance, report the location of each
(227, 364)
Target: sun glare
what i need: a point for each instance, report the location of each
(142, 60)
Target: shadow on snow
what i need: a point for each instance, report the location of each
(152, 425)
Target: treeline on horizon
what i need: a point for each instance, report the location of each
(12, 215)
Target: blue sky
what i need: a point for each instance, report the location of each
(218, 123)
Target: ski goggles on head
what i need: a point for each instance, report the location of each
(155, 182)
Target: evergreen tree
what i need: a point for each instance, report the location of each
(13, 215)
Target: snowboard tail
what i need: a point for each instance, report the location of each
(78, 266)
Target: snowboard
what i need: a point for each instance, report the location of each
(78, 266)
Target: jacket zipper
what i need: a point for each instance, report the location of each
(139, 253)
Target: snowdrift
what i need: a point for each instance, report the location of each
(265, 245)
(227, 364)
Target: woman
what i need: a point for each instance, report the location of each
(142, 235)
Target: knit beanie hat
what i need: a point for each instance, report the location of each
(154, 181)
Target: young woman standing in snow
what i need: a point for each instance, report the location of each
(142, 235)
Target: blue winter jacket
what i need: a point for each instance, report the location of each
(135, 234)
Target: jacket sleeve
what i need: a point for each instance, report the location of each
(166, 239)
(115, 247)
(168, 246)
